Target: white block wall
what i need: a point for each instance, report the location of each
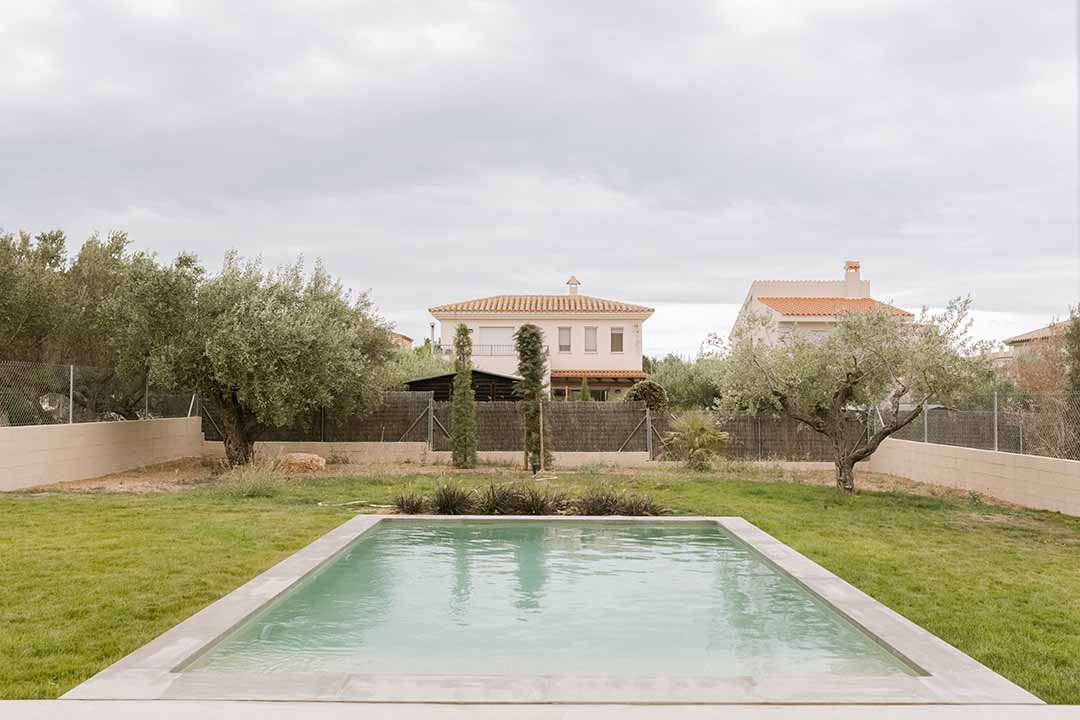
(1035, 482)
(33, 455)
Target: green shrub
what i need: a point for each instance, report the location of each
(257, 479)
(696, 439)
(410, 502)
(497, 500)
(535, 499)
(337, 459)
(584, 395)
(636, 504)
(450, 498)
(651, 392)
(463, 403)
(598, 500)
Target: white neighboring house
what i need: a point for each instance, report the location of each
(1016, 347)
(586, 337)
(807, 306)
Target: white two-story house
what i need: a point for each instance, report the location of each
(586, 337)
(812, 307)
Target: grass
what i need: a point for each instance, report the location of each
(87, 578)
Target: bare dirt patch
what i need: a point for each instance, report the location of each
(880, 482)
(189, 473)
(173, 476)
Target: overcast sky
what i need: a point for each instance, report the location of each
(665, 152)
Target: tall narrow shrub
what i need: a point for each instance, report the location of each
(463, 403)
(529, 342)
(584, 395)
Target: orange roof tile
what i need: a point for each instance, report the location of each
(1044, 332)
(633, 374)
(827, 306)
(532, 304)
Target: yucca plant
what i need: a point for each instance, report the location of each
(598, 500)
(696, 438)
(450, 498)
(636, 504)
(534, 499)
(497, 500)
(410, 503)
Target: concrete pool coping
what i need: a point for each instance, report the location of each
(946, 675)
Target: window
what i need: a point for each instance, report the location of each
(616, 340)
(494, 341)
(564, 339)
(590, 339)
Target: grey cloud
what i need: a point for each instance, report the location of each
(664, 152)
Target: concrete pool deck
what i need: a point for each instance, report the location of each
(944, 674)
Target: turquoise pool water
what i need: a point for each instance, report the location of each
(537, 598)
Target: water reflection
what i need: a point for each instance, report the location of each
(529, 557)
(538, 597)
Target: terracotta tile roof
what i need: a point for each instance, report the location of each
(399, 336)
(827, 306)
(531, 304)
(632, 374)
(1044, 332)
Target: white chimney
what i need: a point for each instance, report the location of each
(853, 285)
(573, 283)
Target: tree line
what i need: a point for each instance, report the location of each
(267, 346)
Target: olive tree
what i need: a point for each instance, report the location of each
(872, 368)
(269, 347)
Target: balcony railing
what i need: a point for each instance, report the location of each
(484, 350)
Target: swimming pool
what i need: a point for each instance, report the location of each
(550, 610)
(534, 597)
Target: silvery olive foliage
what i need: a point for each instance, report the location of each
(269, 346)
(872, 368)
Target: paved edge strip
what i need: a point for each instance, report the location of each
(155, 671)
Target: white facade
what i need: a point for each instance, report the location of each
(601, 340)
(493, 343)
(810, 307)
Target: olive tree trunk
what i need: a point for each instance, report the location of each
(238, 426)
(845, 475)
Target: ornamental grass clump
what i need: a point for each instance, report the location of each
(257, 479)
(598, 500)
(497, 499)
(450, 498)
(410, 502)
(535, 499)
(635, 504)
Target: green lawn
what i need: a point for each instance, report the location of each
(86, 579)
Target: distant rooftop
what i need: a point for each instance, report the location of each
(828, 306)
(1042, 333)
(571, 302)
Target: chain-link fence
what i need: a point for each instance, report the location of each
(40, 394)
(1046, 424)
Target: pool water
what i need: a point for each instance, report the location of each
(550, 598)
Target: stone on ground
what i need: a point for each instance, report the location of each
(301, 462)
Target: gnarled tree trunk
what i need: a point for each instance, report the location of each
(238, 427)
(845, 474)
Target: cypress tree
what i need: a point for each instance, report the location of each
(463, 403)
(529, 342)
(584, 395)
